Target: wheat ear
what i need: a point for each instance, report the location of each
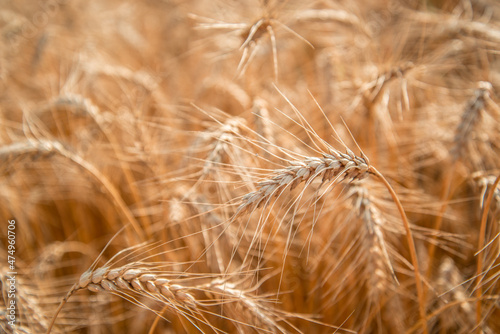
(469, 120)
(331, 167)
(259, 311)
(450, 281)
(131, 279)
(145, 281)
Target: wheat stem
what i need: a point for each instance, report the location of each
(482, 231)
(411, 246)
(59, 308)
(445, 196)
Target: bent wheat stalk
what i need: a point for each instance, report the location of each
(333, 167)
(411, 246)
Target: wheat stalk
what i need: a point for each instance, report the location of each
(333, 167)
(482, 231)
(452, 24)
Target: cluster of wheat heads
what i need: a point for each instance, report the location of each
(251, 166)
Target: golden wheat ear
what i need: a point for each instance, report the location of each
(332, 167)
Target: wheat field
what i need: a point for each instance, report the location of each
(254, 166)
